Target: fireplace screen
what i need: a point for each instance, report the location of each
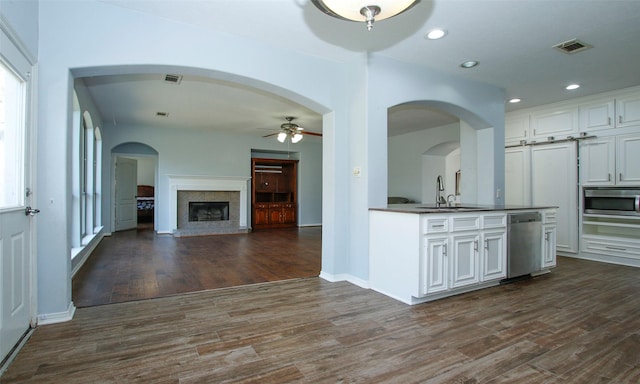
(208, 211)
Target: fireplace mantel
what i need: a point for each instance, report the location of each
(206, 183)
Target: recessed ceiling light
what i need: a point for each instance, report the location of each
(571, 87)
(515, 100)
(436, 34)
(469, 64)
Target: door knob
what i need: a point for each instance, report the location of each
(31, 211)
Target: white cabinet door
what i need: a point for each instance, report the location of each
(628, 160)
(493, 255)
(517, 165)
(464, 260)
(549, 246)
(628, 111)
(597, 116)
(557, 123)
(435, 266)
(555, 183)
(516, 129)
(597, 162)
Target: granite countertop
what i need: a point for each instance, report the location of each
(431, 208)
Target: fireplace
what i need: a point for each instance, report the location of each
(208, 211)
(186, 190)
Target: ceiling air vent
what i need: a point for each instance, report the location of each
(175, 79)
(162, 114)
(572, 46)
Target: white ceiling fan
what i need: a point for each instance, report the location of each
(291, 130)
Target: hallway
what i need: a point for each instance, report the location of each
(138, 264)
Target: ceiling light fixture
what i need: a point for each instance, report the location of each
(469, 64)
(364, 10)
(571, 87)
(515, 100)
(436, 34)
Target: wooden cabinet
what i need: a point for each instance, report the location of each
(273, 193)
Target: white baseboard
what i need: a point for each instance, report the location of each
(629, 262)
(333, 278)
(59, 317)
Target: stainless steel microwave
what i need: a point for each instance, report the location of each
(612, 201)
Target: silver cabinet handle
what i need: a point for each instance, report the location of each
(475, 245)
(620, 119)
(437, 226)
(615, 248)
(486, 243)
(609, 177)
(444, 249)
(620, 177)
(608, 120)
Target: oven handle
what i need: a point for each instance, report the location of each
(637, 203)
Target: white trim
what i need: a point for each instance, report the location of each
(345, 277)
(610, 259)
(206, 183)
(85, 252)
(58, 317)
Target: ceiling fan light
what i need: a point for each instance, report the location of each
(297, 137)
(282, 137)
(363, 10)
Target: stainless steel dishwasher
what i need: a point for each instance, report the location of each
(524, 243)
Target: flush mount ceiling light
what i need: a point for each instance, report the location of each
(571, 87)
(367, 11)
(469, 64)
(515, 100)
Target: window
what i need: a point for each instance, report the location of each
(12, 131)
(86, 179)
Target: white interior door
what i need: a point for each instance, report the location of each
(126, 174)
(16, 288)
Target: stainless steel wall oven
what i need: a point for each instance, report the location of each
(612, 201)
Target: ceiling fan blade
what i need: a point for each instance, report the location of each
(271, 134)
(311, 133)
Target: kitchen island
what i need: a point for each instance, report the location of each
(421, 252)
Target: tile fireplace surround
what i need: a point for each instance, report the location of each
(183, 189)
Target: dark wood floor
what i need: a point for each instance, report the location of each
(137, 264)
(579, 324)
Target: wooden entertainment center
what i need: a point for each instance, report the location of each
(274, 193)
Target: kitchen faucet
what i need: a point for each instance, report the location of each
(439, 188)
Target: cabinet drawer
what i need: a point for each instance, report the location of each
(549, 217)
(436, 224)
(613, 247)
(494, 221)
(464, 223)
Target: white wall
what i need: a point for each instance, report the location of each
(213, 154)
(411, 172)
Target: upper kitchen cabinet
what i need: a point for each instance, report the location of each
(628, 159)
(598, 161)
(628, 111)
(599, 115)
(516, 129)
(610, 161)
(557, 123)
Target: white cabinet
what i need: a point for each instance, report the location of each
(516, 129)
(434, 269)
(558, 123)
(598, 161)
(610, 161)
(599, 115)
(493, 255)
(554, 181)
(517, 180)
(549, 239)
(628, 159)
(464, 259)
(628, 111)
